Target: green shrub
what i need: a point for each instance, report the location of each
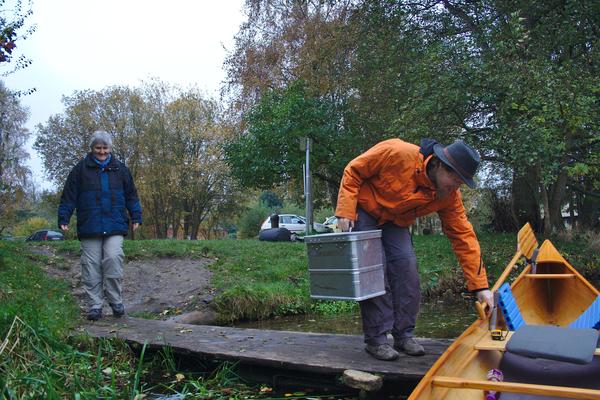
(250, 222)
(31, 225)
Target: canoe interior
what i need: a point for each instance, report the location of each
(552, 300)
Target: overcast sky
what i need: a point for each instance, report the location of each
(92, 44)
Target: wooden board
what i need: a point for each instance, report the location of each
(487, 343)
(311, 352)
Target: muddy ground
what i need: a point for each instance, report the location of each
(171, 289)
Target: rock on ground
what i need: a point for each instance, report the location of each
(362, 380)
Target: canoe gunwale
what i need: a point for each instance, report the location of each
(516, 387)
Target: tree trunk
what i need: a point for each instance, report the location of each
(546, 205)
(556, 198)
(332, 192)
(195, 228)
(503, 219)
(588, 209)
(572, 208)
(524, 205)
(186, 229)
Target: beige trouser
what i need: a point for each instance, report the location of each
(102, 269)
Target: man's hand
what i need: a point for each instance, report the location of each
(345, 224)
(64, 228)
(135, 225)
(486, 297)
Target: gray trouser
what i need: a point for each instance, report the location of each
(102, 269)
(397, 309)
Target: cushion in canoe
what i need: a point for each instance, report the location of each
(521, 396)
(554, 343)
(517, 368)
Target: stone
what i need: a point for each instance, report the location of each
(362, 380)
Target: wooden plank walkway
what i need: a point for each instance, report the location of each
(308, 352)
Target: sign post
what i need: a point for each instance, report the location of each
(307, 143)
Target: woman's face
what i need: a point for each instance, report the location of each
(101, 151)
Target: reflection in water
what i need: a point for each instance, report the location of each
(436, 320)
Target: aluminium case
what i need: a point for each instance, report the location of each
(345, 266)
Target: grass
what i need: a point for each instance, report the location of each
(40, 357)
(441, 275)
(26, 291)
(259, 280)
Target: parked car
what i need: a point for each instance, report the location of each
(331, 223)
(294, 223)
(44, 235)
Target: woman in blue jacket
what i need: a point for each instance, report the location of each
(101, 188)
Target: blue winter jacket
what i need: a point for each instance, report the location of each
(102, 197)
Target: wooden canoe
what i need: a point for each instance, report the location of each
(555, 295)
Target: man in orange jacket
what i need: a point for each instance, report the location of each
(387, 188)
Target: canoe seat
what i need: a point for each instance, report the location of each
(510, 308)
(573, 345)
(590, 318)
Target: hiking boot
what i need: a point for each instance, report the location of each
(94, 314)
(409, 346)
(118, 310)
(383, 352)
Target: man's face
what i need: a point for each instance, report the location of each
(101, 151)
(445, 180)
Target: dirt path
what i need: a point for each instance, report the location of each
(173, 289)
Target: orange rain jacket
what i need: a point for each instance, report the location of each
(389, 182)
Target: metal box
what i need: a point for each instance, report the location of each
(345, 266)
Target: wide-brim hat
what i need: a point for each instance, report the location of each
(461, 157)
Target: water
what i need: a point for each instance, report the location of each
(437, 319)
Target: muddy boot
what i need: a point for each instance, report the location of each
(409, 346)
(118, 310)
(94, 314)
(383, 352)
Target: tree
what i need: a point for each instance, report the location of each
(285, 41)
(270, 154)
(184, 178)
(270, 200)
(517, 79)
(528, 72)
(64, 139)
(14, 174)
(13, 29)
(169, 138)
